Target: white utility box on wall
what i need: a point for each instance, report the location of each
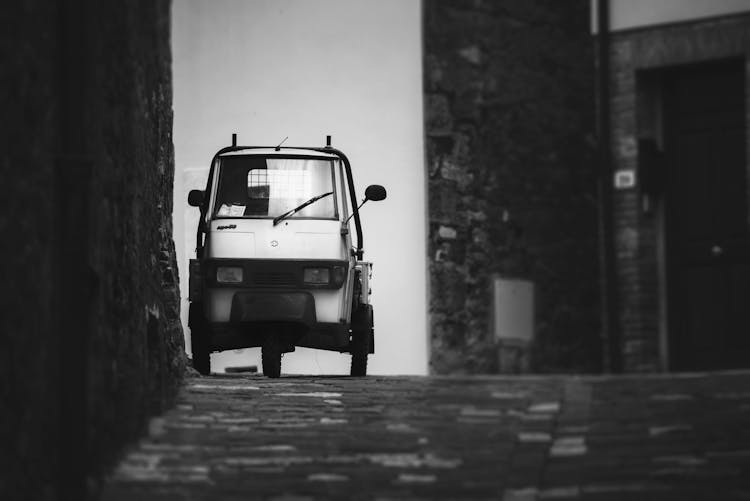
(513, 323)
(513, 311)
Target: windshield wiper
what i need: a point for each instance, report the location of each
(301, 206)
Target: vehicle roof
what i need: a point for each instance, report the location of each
(282, 152)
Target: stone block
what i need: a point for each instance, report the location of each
(438, 117)
(443, 201)
(448, 289)
(471, 54)
(447, 233)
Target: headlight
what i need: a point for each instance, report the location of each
(319, 276)
(229, 274)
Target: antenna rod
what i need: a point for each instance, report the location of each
(234, 140)
(328, 141)
(278, 148)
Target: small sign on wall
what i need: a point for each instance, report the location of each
(624, 179)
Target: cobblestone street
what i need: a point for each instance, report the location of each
(509, 438)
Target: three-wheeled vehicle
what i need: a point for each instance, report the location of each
(275, 267)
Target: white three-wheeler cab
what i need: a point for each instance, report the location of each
(275, 264)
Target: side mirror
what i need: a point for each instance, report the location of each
(375, 192)
(195, 198)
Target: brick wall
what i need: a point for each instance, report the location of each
(89, 88)
(509, 111)
(637, 232)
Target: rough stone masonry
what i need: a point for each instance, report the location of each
(509, 121)
(87, 168)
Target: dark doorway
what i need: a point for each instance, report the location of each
(706, 209)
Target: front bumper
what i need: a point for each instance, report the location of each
(256, 314)
(273, 306)
(319, 335)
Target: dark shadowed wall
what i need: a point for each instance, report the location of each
(509, 112)
(90, 338)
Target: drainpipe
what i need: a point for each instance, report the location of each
(611, 341)
(72, 179)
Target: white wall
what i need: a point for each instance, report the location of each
(626, 14)
(267, 69)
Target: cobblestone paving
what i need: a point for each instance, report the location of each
(502, 438)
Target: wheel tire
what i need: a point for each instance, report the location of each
(199, 342)
(362, 330)
(271, 357)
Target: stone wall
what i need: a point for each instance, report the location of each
(91, 339)
(509, 111)
(28, 366)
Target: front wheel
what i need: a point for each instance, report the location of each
(271, 356)
(199, 342)
(362, 330)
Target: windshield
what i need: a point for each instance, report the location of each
(251, 186)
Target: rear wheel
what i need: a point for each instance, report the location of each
(199, 342)
(362, 330)
(271, 356)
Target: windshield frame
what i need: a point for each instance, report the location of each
(331, 161)
(206, 206)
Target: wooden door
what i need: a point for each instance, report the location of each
(707, 220)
